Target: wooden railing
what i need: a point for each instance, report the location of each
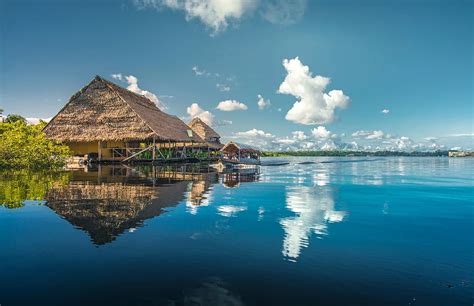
(126, 154)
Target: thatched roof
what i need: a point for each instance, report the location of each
(202, 129)
(105, 111)
(235, 146)
(205, 132)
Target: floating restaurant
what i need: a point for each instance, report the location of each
(104, 122)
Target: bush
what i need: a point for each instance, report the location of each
(25, 146)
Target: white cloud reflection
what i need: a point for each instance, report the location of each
(199, 195)
(230, 210)
(314, 208)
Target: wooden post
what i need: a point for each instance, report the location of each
(154, 149)
(99, 145)
(99, 173)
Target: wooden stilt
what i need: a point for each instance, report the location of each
(99, 174)
(99, 149)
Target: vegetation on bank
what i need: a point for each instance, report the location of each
(18, 186)
(352, 153)
(24, 146)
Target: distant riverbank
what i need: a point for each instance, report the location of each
(353, 153)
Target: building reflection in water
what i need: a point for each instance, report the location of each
(200, 193)
(314, 209)
(109, 200)
(232, 179)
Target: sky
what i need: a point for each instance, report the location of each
(278, 74)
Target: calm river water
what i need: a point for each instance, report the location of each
(316, 231)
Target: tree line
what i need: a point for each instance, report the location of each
(353, 153)
(25, 146)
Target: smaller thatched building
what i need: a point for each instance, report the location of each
(109, 122)
(240, 153)
(204, 131)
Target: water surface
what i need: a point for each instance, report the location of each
(308, 231)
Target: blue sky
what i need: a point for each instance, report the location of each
(412, 58)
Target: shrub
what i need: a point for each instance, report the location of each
(25, 146)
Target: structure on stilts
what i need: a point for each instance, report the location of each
(104, 122)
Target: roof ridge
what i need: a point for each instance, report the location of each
(98, 77)
(148, 120)
(108, 83)
(197, 120)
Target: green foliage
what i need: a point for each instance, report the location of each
(201, 155)
(25, 146)
(20, 185)
(12, 118)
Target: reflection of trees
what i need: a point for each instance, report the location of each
(314, 209)
(20, 186)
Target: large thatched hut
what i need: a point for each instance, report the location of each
(204, 131)
(109, 122)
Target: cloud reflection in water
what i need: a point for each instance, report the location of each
(314, 208)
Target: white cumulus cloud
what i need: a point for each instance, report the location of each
(262, 103)
(117, 76)
(385, 111)
(376, 135)
(283, 11)
(133, 86)
(254, 133)
(368, 134)
(231, 105)
(313, 105)
(320, 132)
(329, 146)
(299, 135)
(215, 14)
(194, 110)
(132, 82)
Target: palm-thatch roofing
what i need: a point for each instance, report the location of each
(232, 146)
(104, 111)
(204, 131)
